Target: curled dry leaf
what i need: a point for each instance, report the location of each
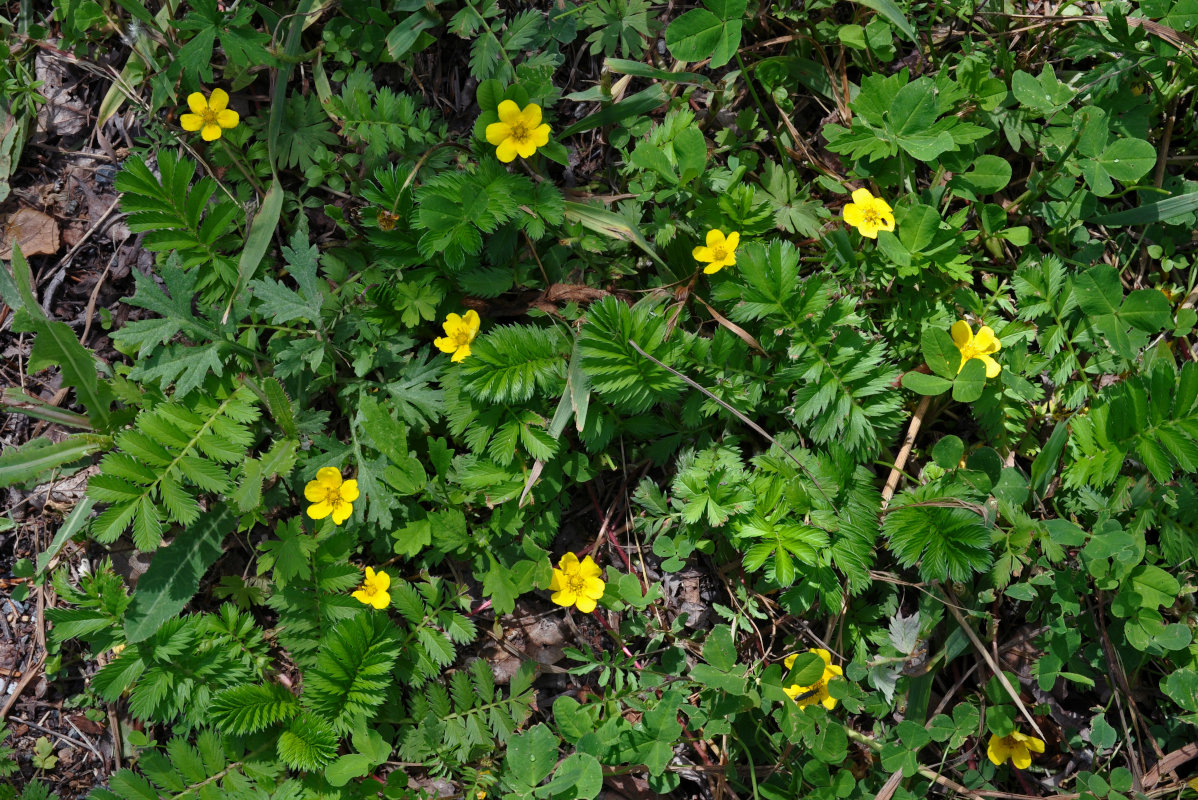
(37, 233)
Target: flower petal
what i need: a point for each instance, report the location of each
(361, 596)
(853, 214)
(382, 580)
(997, 751)
(369, 575)
(540, 135)
(986, 342)
(593, 588)
(732, 241)
(961, 334)
(715, 238)
(342, 512)
(789, 661)
(329, 476)
(509, 112)
(829, 702)
(526, 148)
(531, 116)
(314, 492)
(993, 368)
(823, 654)
(862, 197)
(227, 118)
(868, 229)
(381, 600)
(703, 254)
(1020, 757)
(556, 582)
(191, 122)
(506, 151)
(1034, 744)
(881, 207)
(460, 354)
(445, 344)
(197, 102)
(887, 221)
(588, 568)
(210, 133)
(564, 598)
(497, 132)
(585, 604)
(472, 322)
(320, 510)
(713, 268)
(218, 100)
(349, 491)
(568, 564)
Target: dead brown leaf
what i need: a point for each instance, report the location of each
(37, 233)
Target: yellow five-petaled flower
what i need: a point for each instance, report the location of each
(460, 331)
(519, 131)
(818, 691)
(374, 589)
(869, 214)
(719, 252)
(210, 116)
(980, 346)
(329, 494)
(1016, 746)
(577, 583)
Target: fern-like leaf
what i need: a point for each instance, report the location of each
(145, 482)
(623, 376)
(308, 743)
(511, 363)
(353, 670)
(249, 709)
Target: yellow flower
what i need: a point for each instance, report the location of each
(869, 214)
(577, 583)
(209, 116)
(818, 691)
(981, 346)
(328, 494)
(1017, 746)
(374, 589)
(459, 333)
(519, 131)
(719, 251)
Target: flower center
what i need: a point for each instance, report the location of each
(575, 583)
(370, 589)
(461, 337)
(967, 352)
(208, 116)
(872, 217)
(719, 253)
(333, 497)
(519, 132)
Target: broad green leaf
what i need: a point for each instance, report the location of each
(720, 650)
(922, 383)
(919, 227)
(1098, 290)
(695, 35)
(1147, 310)
(940, 352)
(1156, 211)
(1128, 160)
(987, 175)
(174, 574)
(530, 758)
(638, 105)
(970, 381)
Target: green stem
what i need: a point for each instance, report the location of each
(761, 107)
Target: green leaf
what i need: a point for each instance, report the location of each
(719, 650)
(970, 381)
(34, 462)
(893, 14)
(174, 574)
(695, 35)
(262, 230)
(638, 105)
(940, 352)
(1128, 160)
(987, 175)
(1098, 290)
(530, 758)
(1147, 310)
(948, 452)
(925, 384)
(1156, 211)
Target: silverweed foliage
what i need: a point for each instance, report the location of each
(821, 375)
